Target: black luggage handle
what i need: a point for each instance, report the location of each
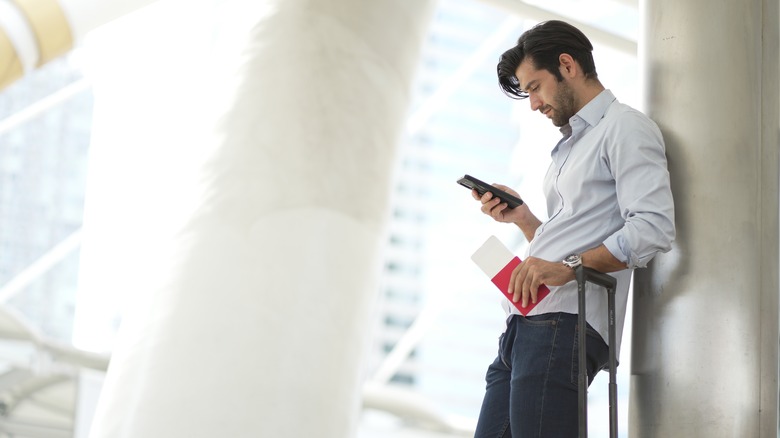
(583, 276)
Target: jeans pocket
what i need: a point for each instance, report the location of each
(540, 320)
(502, 350)
(597, 354)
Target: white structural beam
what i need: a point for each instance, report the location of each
(596, 34)
(440, 97)
(412, 407)
(33, 32)
(40, 266)
(87, 15)
(630, 3)
(42, 106)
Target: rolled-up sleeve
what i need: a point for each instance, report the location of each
(637, 160)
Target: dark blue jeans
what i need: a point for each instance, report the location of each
(532, 385)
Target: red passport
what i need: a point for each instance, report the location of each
(498, 262)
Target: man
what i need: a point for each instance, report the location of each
(610, 208)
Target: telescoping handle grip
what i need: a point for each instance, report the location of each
(585, 275)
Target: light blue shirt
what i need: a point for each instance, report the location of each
(608, 184)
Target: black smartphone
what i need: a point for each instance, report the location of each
(481, 187)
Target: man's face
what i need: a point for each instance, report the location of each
(552, 98)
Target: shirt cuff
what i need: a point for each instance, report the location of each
(616, 244)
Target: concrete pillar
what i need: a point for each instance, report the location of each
(258, 326)
(705, 347)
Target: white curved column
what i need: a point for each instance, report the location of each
(258, 328)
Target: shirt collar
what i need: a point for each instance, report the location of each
(590, 114)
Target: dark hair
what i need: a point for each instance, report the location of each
(543, 44)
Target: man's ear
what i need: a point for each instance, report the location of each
(568, 66)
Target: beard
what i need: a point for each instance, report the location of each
(564, 105)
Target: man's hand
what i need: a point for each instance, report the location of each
(499, 210)
(534, 272)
